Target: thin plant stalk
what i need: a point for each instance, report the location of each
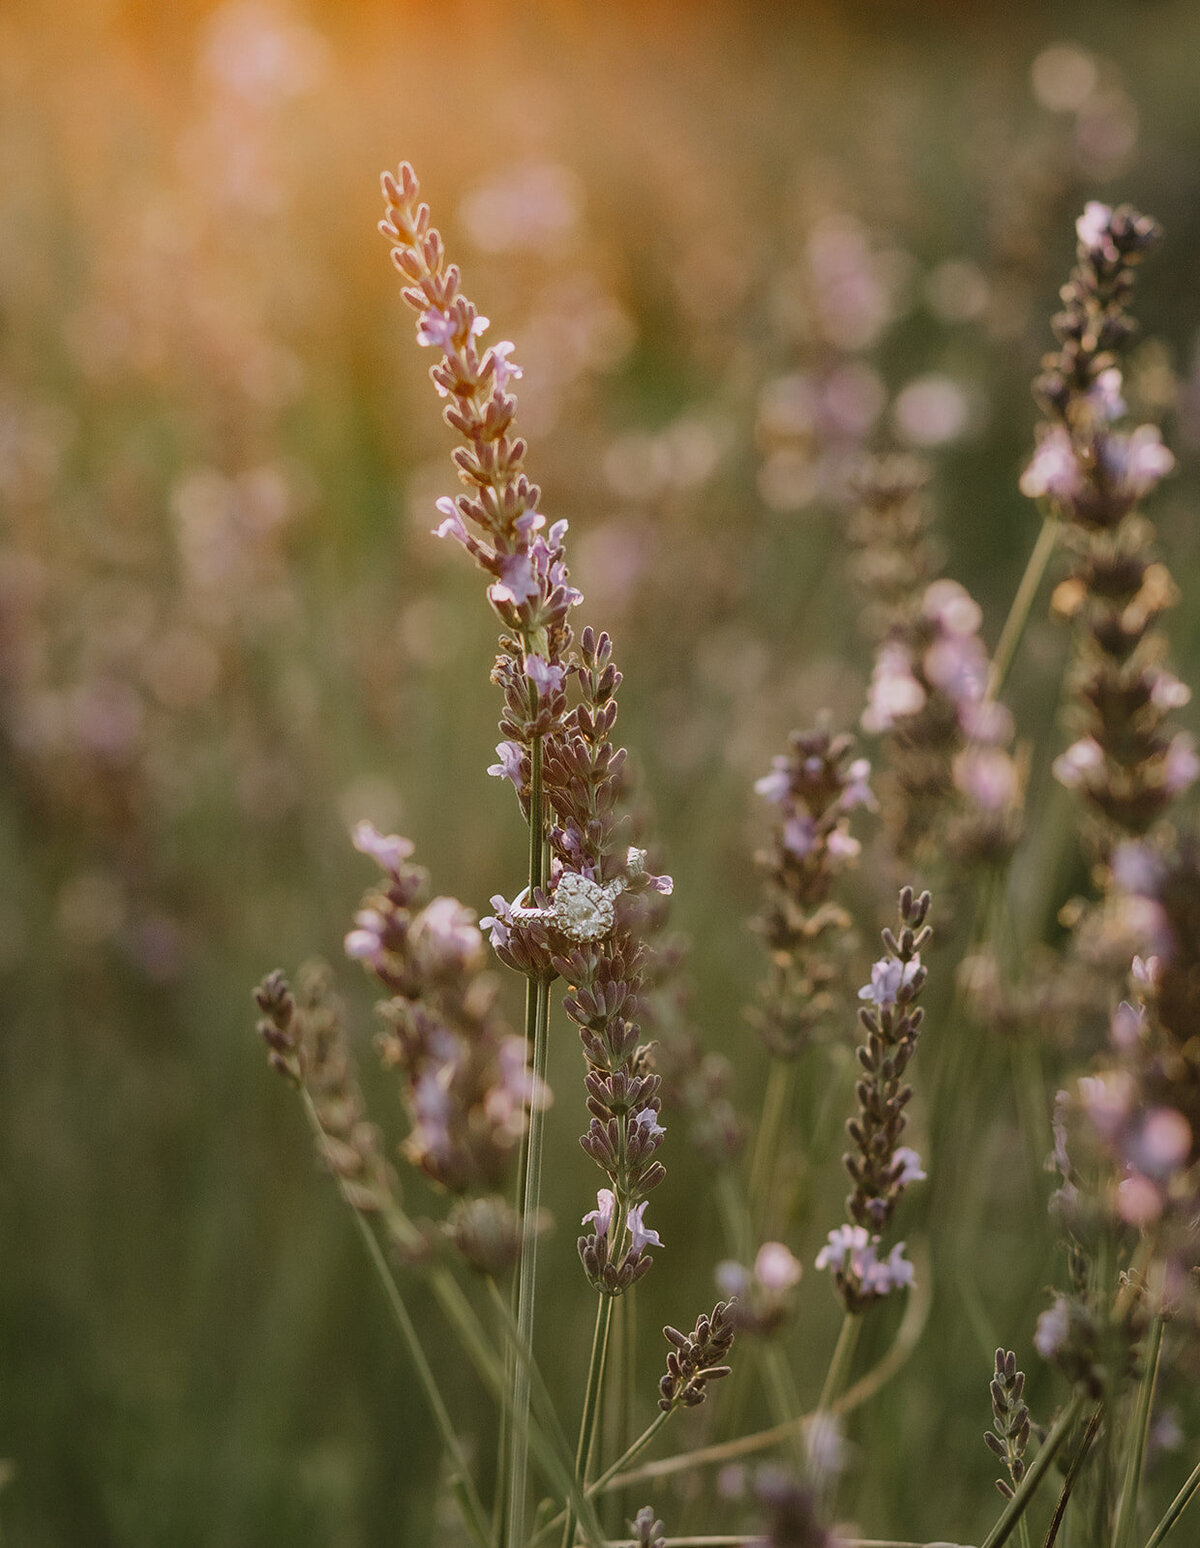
(1022, 605)
(781, 1389)
(1077, 1462)
(776, 1101)
(1020, 1501)
(591, 1403)
(543, 1413)
(461, 1483)
(839, 1363)
(1176, 1509)
(537, 1012)
(1131, 1486)
(632, 1451)
(906, 1340)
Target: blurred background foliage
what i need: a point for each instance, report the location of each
(734, 245)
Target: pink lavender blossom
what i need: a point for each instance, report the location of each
(1054, 470)
(1136, 462)
(775, 1268)
(504, 368)
(800, 836)
(438, 329)
(1054, 1325)
(857, 791)
(446, 935)
(989, 777)
(952, 608)
(1104, 395)
(1181, 765)
(1168, 692)
(641, 1236)
(509, 766)
(910, 1167)
(517, 582)
(1081, 760)
(499, 925)
(365, 942)
(842, 845)
(894, 693)
(646, 1119)
(776, 786)
(545, 678)
(389, 852)
(602, 1216)
(853, 1254)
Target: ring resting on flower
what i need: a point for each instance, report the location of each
(582, 909)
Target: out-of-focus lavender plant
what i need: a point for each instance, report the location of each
(1126, 763)
(949, 785)
(814, 787)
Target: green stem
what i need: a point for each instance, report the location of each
(1176, 1509)
(839, 1364)
(1127, 1505)
(591, 1403)
(1022, 603)
(1019, 1503)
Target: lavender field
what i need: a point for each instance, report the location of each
(672, 669)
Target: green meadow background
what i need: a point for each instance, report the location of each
(734, 245)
